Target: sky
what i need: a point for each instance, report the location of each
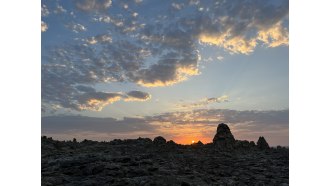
(146, 68)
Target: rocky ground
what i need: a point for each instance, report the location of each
(146, 162)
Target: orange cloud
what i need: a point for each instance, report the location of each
(182, 74)
(44, 26)
(274, 36)
(98, 104)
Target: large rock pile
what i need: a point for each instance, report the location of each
(224, 138)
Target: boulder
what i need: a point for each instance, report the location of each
(171, 142)
(224, 138)
(262, 143)
(159, 140)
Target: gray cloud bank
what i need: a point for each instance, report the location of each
(87, 98)
(152, 47)
(244, 124)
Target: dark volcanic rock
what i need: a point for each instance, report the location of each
(145, 162)
(199, 143)
(144, 141)
(244, 144)
(171, 142)
(224, 138)
(262, 143)
(159, 140)
(252, 144)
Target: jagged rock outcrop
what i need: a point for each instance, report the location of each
(262, 143)
(199, 143)
(239, 144)
(159, 140)
(224, 138)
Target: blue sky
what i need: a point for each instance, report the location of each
(198, 63)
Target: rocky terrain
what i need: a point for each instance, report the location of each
(143, 161)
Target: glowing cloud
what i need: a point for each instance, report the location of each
(97, 100)
(44, 26)
(274, 36)
(93, 5)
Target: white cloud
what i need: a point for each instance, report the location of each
(59, 9)
(135, 14)
(44, 26)
(205, 101)
(76, 27)
(103, 38)
(138, 1)
(220, 58)
(44, 11)
(177, 6)
(93, 5)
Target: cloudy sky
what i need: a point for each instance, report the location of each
(124, 69)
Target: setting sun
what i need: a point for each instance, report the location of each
(192, 141)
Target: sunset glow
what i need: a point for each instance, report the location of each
(159, 92)
(187, 140)
(129, 69)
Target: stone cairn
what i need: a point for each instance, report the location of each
(262, 143)
(224, 138)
